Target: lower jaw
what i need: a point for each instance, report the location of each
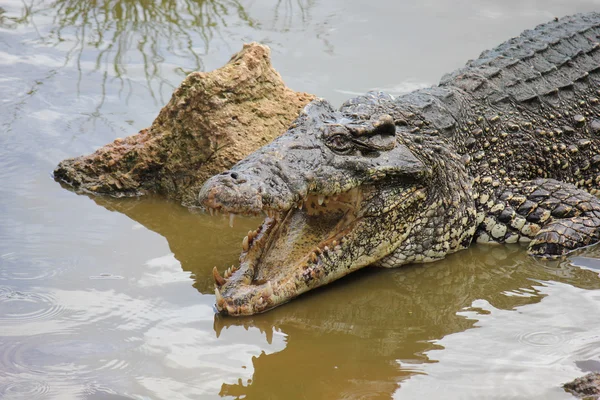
(264, 279)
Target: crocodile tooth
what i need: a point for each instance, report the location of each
(313, 257)
(230, 272)
(218, 278)
(231, 218)
(227, 274)
(260, 301)
(250, 235)
(321, 199)
(269, 289)
(211, 211)
(219, 298)
(300, 204)
(245, 243)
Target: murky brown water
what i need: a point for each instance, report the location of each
(112, 299)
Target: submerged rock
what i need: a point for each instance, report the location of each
(213, 120)
(587, 387)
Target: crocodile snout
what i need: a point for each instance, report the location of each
(231, 192)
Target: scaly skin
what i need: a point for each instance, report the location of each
(503, 150)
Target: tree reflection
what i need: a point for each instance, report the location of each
(287, 12)
(118, 35)
(125, 48)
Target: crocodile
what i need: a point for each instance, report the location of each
(503, 150)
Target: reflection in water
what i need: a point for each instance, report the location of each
(287, 14)
(123, 33)
(371, 330)
(92, 307)
(193, 238)
(284, 14)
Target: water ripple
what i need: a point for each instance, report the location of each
(23, 306)
(17, 267)
(29, 389)
(15, 357)
(542, 338)
(63, 360)
(588, 348)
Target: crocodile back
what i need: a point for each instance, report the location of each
(545, 64)
(527, 109)
(530, 107)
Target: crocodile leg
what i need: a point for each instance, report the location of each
(555, 217)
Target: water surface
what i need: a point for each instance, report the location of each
(113, 299)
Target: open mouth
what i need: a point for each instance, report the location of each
(291, 252)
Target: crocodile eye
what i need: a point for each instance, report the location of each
(340, 143)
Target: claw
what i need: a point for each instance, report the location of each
(218, 278)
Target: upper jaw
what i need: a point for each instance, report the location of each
(236, 192)
(232, 192)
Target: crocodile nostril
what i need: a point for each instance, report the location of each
(234, 175)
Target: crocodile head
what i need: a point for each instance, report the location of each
(340, 191)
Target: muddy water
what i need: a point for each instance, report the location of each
(112, 299)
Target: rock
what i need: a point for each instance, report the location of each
(586, 387)
(212, 121)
